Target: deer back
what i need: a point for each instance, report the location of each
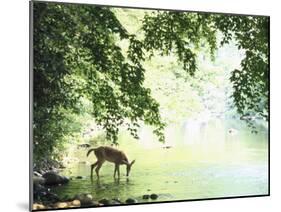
(114, 155)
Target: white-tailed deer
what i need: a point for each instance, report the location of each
(106, 153)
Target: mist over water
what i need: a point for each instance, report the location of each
(199, 160)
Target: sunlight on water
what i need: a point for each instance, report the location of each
(205, 161)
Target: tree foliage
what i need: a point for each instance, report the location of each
(77, 58)
(251, 82)
(183, 32)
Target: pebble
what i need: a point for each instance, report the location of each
(131, 201)
(85, 199)
(76, 203)
(153, 196)
(146, 196)
(61, 205)
(37, 206)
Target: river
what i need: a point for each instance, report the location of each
(217, 161)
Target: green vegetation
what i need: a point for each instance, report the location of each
(123, 68)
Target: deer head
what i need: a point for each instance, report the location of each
(129, 166)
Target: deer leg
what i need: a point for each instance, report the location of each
(118, 170)
(92, 167)
(98, 168)
(115, 170)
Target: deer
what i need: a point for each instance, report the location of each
(112, 155)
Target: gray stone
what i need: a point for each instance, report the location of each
(85, 199)
(153, 196)
(131, 201)
(38, 180)
(146, 196)
(53, 178)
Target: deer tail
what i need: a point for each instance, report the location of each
(90, 150)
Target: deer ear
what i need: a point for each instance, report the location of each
(133, 161)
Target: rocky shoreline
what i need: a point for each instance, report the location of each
(86, 200)
(45, 199)
(81, 200)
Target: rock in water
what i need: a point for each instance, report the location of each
(131, 201)
(37, 206)
(146, 196)
(85, 199)
(41, 193)
(153, 196)
(38, 188)
(38, 180)
(53, 178)
(110, 202)
(76, 203)
(61, 205)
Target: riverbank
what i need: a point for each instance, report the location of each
(45, 197)
(86, 200)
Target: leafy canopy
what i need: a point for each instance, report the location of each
(77, 59)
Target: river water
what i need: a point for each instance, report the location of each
(206, 162)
